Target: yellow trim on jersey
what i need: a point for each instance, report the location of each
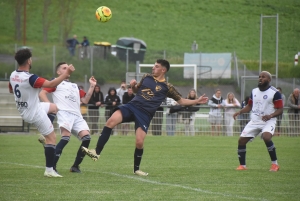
(159, 80)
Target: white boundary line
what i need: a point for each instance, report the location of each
(154, 182)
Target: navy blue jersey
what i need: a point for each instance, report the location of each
(151, 93)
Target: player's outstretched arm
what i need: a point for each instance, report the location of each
(58, 80)
(89, 93)
(201, 100)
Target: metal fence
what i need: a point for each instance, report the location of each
(163, 123)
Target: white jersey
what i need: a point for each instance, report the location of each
(26, 90)
(264, 103)
(67, 96)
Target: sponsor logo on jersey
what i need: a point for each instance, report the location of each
(147, 94)
(158, 88)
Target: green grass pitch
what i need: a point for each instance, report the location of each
(180, 168)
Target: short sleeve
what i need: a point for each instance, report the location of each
(36, 81)
(81, 93)
(277, 100)
(141, 81)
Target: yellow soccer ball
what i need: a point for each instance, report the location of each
(103, 14)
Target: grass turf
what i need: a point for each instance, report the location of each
(180, 168)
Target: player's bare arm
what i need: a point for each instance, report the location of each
(201, 100)
(133, 85)
(10, 88)
(246, 109)
(58, 80)
(89, 93)
(278, 112)
(43, 96)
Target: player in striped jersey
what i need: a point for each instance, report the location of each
(265, 104)
(26, 88)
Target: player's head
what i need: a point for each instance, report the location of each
(264, 79)
(160, 67)
(61, 67)
(23, 57)
(164, 63)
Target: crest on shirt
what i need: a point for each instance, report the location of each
(157, 88)
(265, 96)
(73, 86)
(147, 94)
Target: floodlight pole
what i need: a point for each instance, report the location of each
(260, 45)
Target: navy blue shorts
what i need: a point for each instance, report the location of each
(131, 113)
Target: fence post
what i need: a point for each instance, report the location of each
(137, 70)
(127, 57)
(16, 49)
(92, 58)
(85, 82)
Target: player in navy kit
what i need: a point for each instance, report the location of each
(151, 91)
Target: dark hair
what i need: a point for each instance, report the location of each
(279, 88)
(164, 63)
(112, 89)
(22, 55)
(59, 64)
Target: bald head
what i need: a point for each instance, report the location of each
(266, 73)
(296, 92)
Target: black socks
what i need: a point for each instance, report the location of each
(103, 139)
(85, 142)
(138, 153)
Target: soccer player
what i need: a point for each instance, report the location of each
(151, 91)
(265, 104)
(25, 87)
(67, 96)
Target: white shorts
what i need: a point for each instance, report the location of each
(41, 120)
(73, 123)
(252, 129)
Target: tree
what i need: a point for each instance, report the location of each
(67, 16)
(46, 21)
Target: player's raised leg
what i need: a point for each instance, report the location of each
(114, 120)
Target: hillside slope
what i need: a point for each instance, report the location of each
(172, 25)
